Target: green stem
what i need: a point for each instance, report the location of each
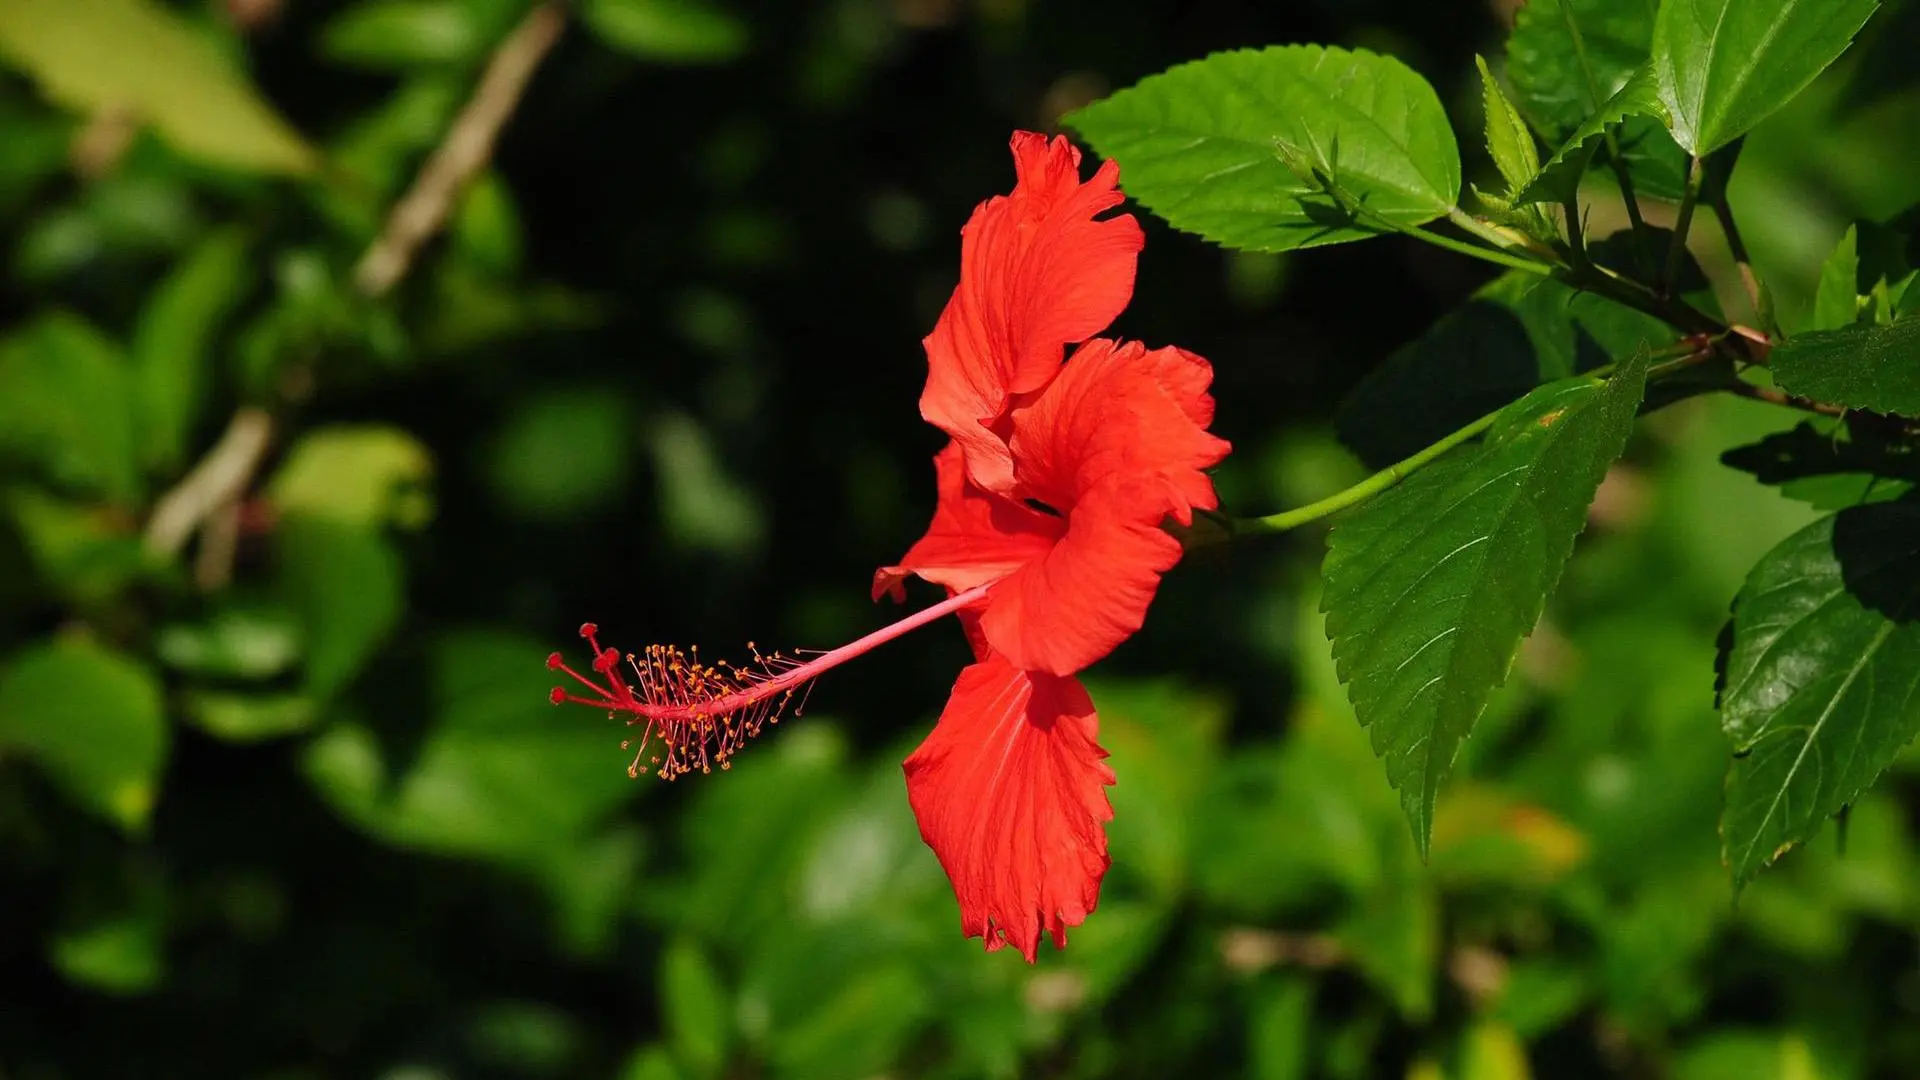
(1677, 250)
(1684, 356)
(1493, 255)
(1360, 492)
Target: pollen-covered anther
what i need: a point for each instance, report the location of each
(693, 715)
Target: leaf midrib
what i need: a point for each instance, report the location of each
(1813, 733)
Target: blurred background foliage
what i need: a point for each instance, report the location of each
(284, 539)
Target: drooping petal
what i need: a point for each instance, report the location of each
(1009, 790)
(1120, 411)
(1037, 273)
(975, 537)
(1089, 592)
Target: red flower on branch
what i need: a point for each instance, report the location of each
(1048, 536)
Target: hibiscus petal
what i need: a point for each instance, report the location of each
(975, 538)
(1009, 790)
(1118, 413)
(1037, 273)
(1090, 591)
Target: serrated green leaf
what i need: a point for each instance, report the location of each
(99, 55)
(1836, 302)
(66, 405)
(1431, 585)
(669, 31)
(93, 719)
(1515, 333)
(1864, 366)
(1508, 140)
(1822, 677)
(345, 586)
(1559, 178)
(173, 338)
(1725, 65)
(1202, 145)
(1567, 57)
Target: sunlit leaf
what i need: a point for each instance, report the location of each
(1725, 65)
(1822, 676)
(1863, 366)
(139, 55)
(366, 476)
(1204, 145)
(93, 720)
(1837, 301)
(1431, 585)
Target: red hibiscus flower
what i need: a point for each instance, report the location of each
(1048, 535)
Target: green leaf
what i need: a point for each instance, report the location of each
(500, 774)
(366, 476)
(1822, 677)
(1829, 467)
(1864, 366)
(1431, 585)
(241, 641)
(245, 718)
(567, 452)
(1725, 65)
(82, 553)
(1202, 145)
(93, 719)
(98, 55)
(66, 404)
(407, 33)
(669, 31)
(694, 1003)
(1559, 178)
(345, 586)
(173, 340)
(120, 954)
(1567, 57)
(1515, 333)
(1837, 301)
(1508, 140)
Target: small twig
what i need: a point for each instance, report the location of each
(1775, 396)
(218, 481)
(462, 153)
(219, 540)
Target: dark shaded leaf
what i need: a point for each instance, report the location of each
(1822, 683)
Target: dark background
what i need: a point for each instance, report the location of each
(668, 382)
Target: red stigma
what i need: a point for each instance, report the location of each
(559, 694)
(554, 661)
